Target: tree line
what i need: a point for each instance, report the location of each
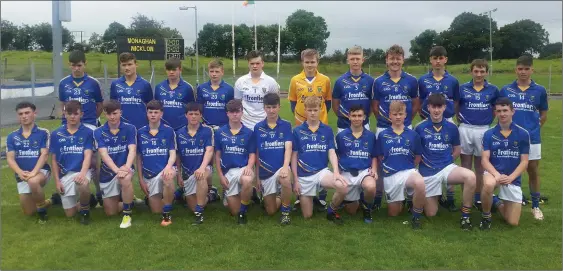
(466, 38)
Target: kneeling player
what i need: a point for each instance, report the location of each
(195, 150)
(28, 151)
(116, 142)
(440, 148)
(234, 160)
(156, 155)
(313, 146)
(274, 140)
(358, 162)
(504, 158)
(399, 151)
(71, 151)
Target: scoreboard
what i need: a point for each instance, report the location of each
(146, 48)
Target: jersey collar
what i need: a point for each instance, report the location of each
(107, 129)
(304, 76)
(485, 84)
(515, 84)
(388, 76)
(33, 129)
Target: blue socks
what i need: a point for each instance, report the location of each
(535, 199)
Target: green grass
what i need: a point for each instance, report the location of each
(220, 243)
(503, 70)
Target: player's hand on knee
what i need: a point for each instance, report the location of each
(247, 171)
(60, 188)
(224, 183)
(284, 172)
(297, 189)
(200, 173)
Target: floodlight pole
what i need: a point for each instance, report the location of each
(57, 46)
(196, 45)
(491, 40)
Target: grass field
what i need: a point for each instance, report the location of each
(503, 70)
(220, 243)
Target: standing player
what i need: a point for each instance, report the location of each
(195, 151)
(399, 151)
(313, 147)
(234, 160)
(438, 80)
(354, 87)
(132, 91)
(174, 93)
(252, 87)
(505, 156)
(27, 154)
(79, 86)
(440, 148)
(274, 145)
(394, 85)
(156, 155)
(117, 143)
(71, 151)
(358, 161)
(476, 104)
(530, 104)
(310, 82)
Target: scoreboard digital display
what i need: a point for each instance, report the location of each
(151, 48)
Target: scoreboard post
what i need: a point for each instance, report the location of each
(146, 48)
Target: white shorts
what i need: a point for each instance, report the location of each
(471, 138)
(271, 185)
(23, 187)
(111, 188)
(380, 129)
(310, 185)
(156, 184)
(70, 196)
(233, 176)
(434, 183)
(510, 192)
(354, 184)
(190, 184)
(395, 185)
(535, 152)
(365, 127)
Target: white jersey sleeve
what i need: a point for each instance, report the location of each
(238, 92)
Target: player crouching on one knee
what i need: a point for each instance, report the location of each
(156, 155)
(195, 151)
(313, 147)
(274, 146)
(440, 147)
(27, 154)
(116, 142)
(399, 151)
(358, 162)
(71, 153)
(234, 160)
(505, 156)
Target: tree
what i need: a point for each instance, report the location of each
(523, 36)
(307, 31)
(552, 50)
(144, 26)
(421, 45)
(43, 36)
(95, 42)
(113, 31)
(467, 37)
(9, 34)
(24, 40)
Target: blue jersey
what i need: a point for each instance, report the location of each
(133, 99)
(174, 101)
(386, 90)
(214, 102)
(191, 148)
(505, 152)
(355, 154)
(27, 150)
(352, 90)
(155, 149)
(312, 148)
(87, 92)
(448, 86)
(117, 146)
(69, 148)
(235, 148)
(270, 143)
(477, 107)
(528, 104)
(398, 150)
(437, 145)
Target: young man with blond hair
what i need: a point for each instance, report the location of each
(476, 104)
(352, 88)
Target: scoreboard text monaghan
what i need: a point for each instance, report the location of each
(151, 48)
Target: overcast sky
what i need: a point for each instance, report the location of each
(368, 24)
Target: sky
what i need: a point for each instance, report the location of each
(370, 24)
